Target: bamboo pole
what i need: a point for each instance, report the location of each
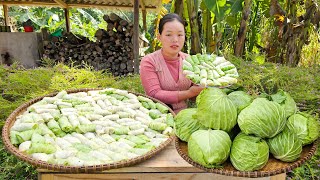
(136, 36)
(5, 14)
(67, 17)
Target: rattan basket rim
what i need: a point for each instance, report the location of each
(250, 174)
(74, 169)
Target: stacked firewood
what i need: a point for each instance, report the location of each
(113, 50)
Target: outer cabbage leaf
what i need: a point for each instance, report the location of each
(286, 101)
(305, 126)
(285, 146)
(216, 110)
(185, 124)
(249, 153)
(262, 118)
(209, 148)
(240, 99)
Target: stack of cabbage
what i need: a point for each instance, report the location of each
(266, 124)
(210, 70)
(91, 128)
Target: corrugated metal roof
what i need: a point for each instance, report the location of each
(147, 4)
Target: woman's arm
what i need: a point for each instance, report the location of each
(190, 93)
(151, 85)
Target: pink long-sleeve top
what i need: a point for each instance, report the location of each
(162, 78)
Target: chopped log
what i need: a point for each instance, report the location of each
(111, 52)
(114, 18)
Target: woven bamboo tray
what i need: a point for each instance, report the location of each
(273, 166)
(73, 169)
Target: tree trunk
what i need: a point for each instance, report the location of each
(207, 28)
(195, 37)
(178, 5)
(291, 35)
(239, 46)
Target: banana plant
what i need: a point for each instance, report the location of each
(222, 10)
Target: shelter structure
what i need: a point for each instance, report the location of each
(134, 5)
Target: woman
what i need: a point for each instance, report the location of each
(161, 71)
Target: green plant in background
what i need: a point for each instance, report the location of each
(18, 85)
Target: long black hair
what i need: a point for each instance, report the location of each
(169, 18)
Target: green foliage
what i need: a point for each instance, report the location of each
(12, 168)
(301, 83)
(18, 85)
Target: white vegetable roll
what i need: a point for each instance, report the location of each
(103, 112)
(42, 110)
(84, 120)
(61, 94)
(143, 120)
(136, 132)
(111, 117)
(71, 139)
(102, 104)
(107, 102)
(134, 105)
(144, 110)
(121, 92)
(168, 131)
(131, 96)
(97, 154)
(73, 119)
(37, 118)
(93, 93)
(23, 126)
(50, 99)
(62, 143)
(64, 154)
(107, 138)
(47, 117)
(90, 135)
(144, 116)
(150, 134)
(24, 146)
(74, 161)
(93, 117)
(80, 94)
(99, 130)
(26, 118)
(41, 156)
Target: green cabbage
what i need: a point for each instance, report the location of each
(286, 101)
(185, 124)
(262, 118)
(240, 99)
(216, 110)
(249, 153)
(285, 146)
(209, 148)
(305, 126)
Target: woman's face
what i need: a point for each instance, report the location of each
(172, 38)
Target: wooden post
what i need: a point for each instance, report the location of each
(144, 20)
(136, 36)
(5, 13)
(67, 17)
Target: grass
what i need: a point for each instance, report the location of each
(18, 85)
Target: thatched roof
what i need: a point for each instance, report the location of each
(121, 4)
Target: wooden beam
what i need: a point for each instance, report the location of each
(61, 3)
(143, 7)
(5, 15)
(136, 36)
(67, 18)
(74, 5)
(144, 19)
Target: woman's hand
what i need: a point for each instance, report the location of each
(195, 90)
